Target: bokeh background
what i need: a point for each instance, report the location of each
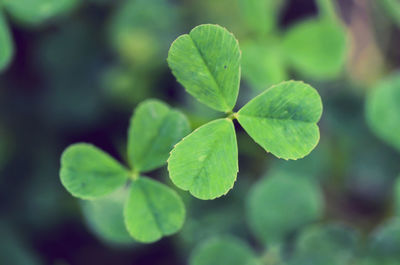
(74, 71)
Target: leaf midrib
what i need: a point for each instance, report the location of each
(274, 118)
(211, 74)
(203, 162)
(151, 208)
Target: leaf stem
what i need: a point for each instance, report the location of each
(134, 175)
(232, 115)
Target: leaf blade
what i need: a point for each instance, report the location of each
(207, 63)
(283, 119)
(210, 171)
(152, 211)
(88, 173)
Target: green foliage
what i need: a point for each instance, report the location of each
(282, 119)
(140, 31)
(153, 210)
(13, 249)
(157, 135)
(6, 43)
(88, 173)
(280, 204)
(263, 63)
(397, 196)
(207, 63)
(325, 245)
(392, 8)
(383, 108)
(316, 48)
(206, 161)
(104, 217)
(225, 250)
(261, 16)
(34, 12)
(384, 248)
(280, 116)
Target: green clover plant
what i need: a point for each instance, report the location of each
(282, 119)
(151, 210)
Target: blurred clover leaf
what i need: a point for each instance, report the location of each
(330, 244)
(6, 43)
(152, 209)
(383, 108)
(29, 13)
(140, 31)
(282, 119)
(384, 246)
(392, 8)
(104, 216)
(315, 48)
(35, 12)
(223, 250)
(280, 204)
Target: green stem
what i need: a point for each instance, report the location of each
(271, 256)
(134, 175)
(232, 115)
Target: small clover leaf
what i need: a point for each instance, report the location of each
(282, 115)
(223, 250)
(6, 43)
(153, 210)
(383, 108)
(88, 173)
(154, 130)
(206, 162)
(207, 63)
(280, 204)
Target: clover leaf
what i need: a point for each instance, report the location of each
(282, 119)
(207, 63)
(151, 210)
(212, 170)
(156, 136)
(282, 115)
(88, 173)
